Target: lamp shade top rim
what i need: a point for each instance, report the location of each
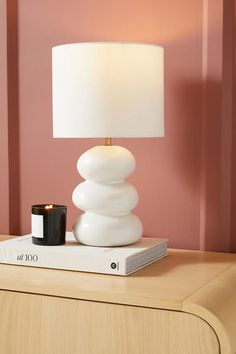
(108, 43)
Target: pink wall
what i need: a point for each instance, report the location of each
(184, 180)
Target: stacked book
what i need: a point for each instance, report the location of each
(73, 256)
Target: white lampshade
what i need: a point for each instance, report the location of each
(110, 89)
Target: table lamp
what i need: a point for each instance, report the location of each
(107, 90)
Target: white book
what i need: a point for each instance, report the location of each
(77, 257)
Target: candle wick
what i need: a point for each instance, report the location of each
(49, 206)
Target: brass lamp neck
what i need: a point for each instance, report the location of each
(108, 142)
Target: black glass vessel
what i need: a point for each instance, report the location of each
(48, 223)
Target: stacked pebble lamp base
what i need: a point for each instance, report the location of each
(106, 198)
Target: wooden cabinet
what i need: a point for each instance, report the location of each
(183, 304)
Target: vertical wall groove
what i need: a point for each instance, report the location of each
(203, 126)
(233, 137)
(4, 175)
(13, 116)
(226, 121)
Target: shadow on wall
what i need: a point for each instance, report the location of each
(207, 132)
(189, 157)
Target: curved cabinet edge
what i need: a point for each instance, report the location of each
(213, 322)
(215, 303)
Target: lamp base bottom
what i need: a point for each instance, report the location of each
(107, 231)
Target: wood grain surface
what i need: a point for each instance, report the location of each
(35, 324)
(194, 282)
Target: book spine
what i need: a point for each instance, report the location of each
(48, 259)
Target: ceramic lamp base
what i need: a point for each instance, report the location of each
(106, 198)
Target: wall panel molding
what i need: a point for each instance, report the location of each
(233, 157)
(4, 175)
(9, 158)
(216, 132)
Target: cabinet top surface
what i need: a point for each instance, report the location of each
(166, 283)
(200, 283)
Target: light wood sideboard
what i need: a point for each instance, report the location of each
(183, 304)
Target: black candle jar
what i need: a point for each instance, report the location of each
(48, 223)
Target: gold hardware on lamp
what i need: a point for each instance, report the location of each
(108, 142)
